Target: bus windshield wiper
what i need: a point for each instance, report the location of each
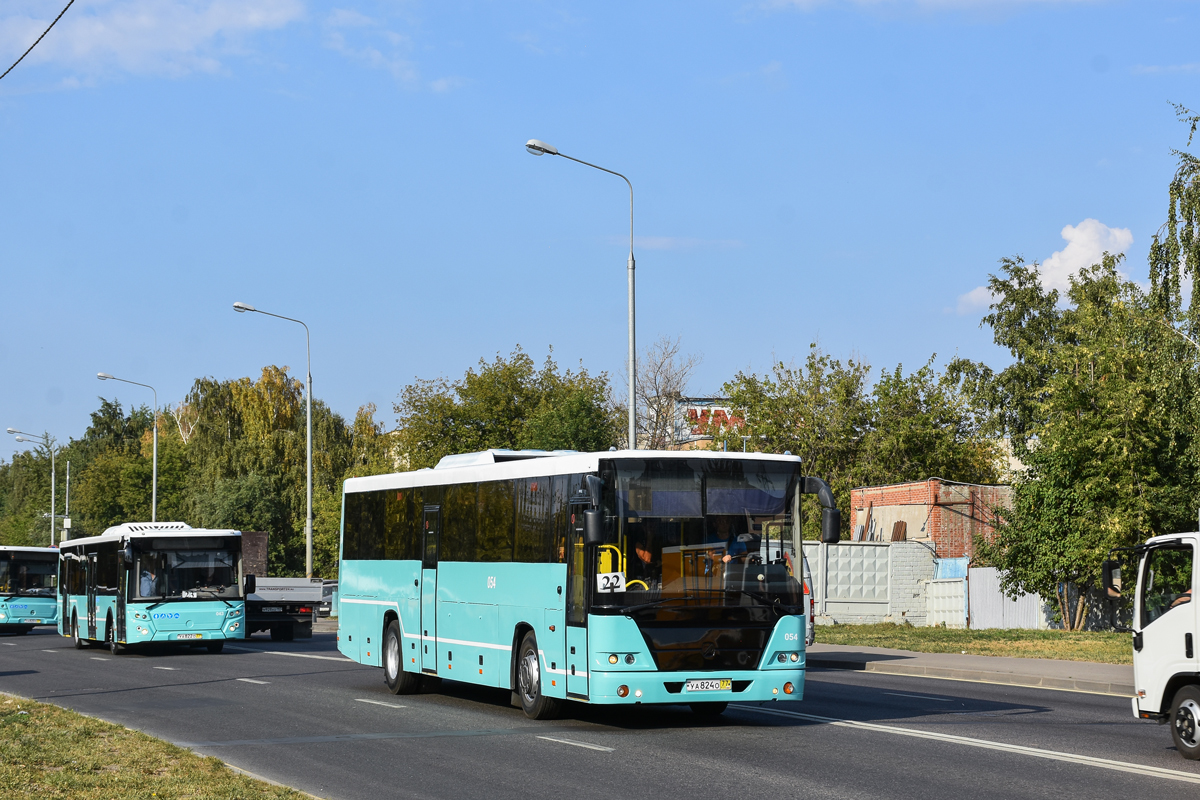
(214, 594)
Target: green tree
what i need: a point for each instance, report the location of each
(507, 403)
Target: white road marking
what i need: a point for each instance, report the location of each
(9, 644)
(921, 697)
(578, 744)
(98, 658)
(170, 668)
(1053, 755)
(296, 655)
(49, 651)
(377, 702)
(251, 680)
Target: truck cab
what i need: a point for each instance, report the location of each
(1165, 665)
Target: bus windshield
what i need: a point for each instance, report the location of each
(28, 574)
(187, 569)
(698, 532)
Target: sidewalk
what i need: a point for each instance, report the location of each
(1083, 676)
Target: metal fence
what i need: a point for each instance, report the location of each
(991, 608)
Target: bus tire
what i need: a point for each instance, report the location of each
(78, 640)
(398, 681)
(215, 647)
(1185, 722)
(529, 682)
(708, 709)
(110, 639)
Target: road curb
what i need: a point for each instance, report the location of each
(974, 675)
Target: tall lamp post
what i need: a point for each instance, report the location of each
(47, 441)
(104, 376)
(242, 308)
(540, 148)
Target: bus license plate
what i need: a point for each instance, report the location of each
(722, 685)
(188, 636)
(34, 621)
(272, 609)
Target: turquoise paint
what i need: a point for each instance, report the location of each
(23, 611)
(577, 661)
(428, 659)
(161, 622)
(620, 636)
(651, 684)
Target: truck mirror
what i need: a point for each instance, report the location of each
(1111, 578)
(831, 525)
(593, 526)
(250, 585)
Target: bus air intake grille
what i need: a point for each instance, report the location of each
(674, 687)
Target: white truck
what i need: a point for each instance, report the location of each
(1166, 672)
(283, 606)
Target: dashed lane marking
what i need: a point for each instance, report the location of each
(251, 680)
(294, 655)
(378, 702)
(577, 744)
(170, 668)
(98, 658)
(1053, 755)
(921, 697)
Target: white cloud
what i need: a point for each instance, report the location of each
(366, 40)
(1144, 69)
(173, 37)
(1087, 242)
(974, 301)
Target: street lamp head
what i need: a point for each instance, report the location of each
(540, 148)
(12, 430)
(104, 376)
(22, 439)
(242, 308)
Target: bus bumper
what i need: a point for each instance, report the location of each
(751, 686)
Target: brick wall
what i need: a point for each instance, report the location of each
(954, 513)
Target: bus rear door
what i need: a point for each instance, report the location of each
(432, 528)
(577, 605)
(90, 581)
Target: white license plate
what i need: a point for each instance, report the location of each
(720, 685)
(272, 609)
(34, 621)
(189, 636)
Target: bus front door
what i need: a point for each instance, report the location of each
(577, 599)
(64, 592)
(429, 591)
(90, 581)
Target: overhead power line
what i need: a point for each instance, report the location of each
(35, 44)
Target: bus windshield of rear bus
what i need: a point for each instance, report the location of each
(710, 532)
(28, 574)
(187, 568)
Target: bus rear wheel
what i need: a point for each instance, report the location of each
(529, 682)
(1185, 722)
(398, 681)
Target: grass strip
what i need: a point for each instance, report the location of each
(1098, 646)
(52, 752)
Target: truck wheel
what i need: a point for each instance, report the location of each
(1185, 722)
(282, 633)
(529, 682)
(398, 681)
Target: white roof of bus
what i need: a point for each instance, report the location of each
(15, 549)
(495, 465)
(145, 530)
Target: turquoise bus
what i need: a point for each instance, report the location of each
(153, 582)
(618, 578)
(28, 588)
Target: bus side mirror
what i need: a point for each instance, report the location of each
(127, 554)
(831, 525)
(1110, 575)
(250, 585)
(594, 487)
(593, 526)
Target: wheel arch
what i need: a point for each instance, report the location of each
(519, 632)
(1176, 683)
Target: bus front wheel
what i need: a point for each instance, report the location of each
(110, 639)
(708, 709)
(398, 681)
(529, 682)
(215, 647)
(80, 642)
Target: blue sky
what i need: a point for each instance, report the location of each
(842, 172)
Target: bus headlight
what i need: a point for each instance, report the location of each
(795, 656)
(612, 659)
(629, 659)
(3, 615)
(782, 657)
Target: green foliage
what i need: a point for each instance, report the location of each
(507, 403)
(908, 427)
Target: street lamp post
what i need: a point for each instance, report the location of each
(47, 441)
(104, 376)
(540, 148)
(242, 308)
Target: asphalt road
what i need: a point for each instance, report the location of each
(300, 714)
